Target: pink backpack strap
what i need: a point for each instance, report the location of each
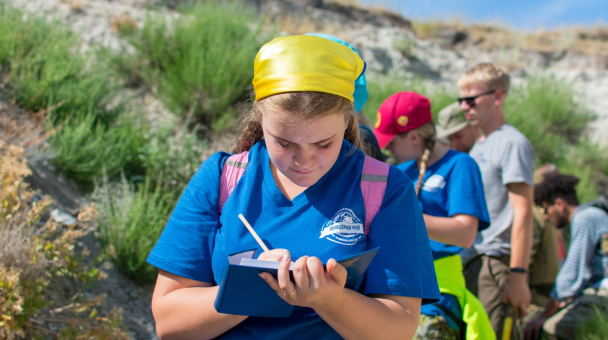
(374, 177)
(233, 170)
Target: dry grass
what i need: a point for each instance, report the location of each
(583, 40)
(75, 5)
(345, 15)
(23, 130)
(41, 275)
(16, 229)
(123, 24)
(293, 24)
(355, 3)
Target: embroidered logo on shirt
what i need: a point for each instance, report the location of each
(434, 183)
(344, 228)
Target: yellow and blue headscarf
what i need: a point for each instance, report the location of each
(306, 63)
(360, 93)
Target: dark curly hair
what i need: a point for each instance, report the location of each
(556, 185)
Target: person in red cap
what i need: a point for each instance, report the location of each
(450, 191)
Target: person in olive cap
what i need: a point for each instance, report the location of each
(454, 129)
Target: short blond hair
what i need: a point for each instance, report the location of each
(493, 76)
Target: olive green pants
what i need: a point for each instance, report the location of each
(486, 277)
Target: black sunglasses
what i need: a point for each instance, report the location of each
(471, 100)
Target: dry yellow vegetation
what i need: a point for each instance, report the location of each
(585, 40)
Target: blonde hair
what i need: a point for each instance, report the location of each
(427, 132)
(302, 105)
(493, 76)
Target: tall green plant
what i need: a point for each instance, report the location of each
(131, 221)
(596, 327)
(200, 62)
(546, 111)
(86, 148)
(47, 71)
(588, 162)
(172, 154)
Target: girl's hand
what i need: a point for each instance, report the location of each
(313, 286)
(274, 255)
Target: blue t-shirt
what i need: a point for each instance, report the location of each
(451, 186)
(197, 240)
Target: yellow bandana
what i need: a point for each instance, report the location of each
(306, 63)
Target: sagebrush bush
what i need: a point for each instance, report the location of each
(546, 111)
(85, 148)
(172, 154)
(47, 72)
(132, 219)
(42, 274)
(549, 112)
(587, 161)
(596, 327)
(200, 62)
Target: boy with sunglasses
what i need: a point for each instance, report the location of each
(496, 266)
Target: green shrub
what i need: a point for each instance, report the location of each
(131, 222)
(46, 70)
(10, 23)
(544, 109)
(200, 62)
(172, 154)
(86, 148)
(596, 327)
(587, 162)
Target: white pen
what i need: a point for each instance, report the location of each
(255, 235)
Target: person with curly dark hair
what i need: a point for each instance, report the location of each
(582, 282)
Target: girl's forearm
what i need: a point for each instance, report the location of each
(188, 313)
(458, 230)
(385, 317)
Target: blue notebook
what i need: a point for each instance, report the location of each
(243, 292)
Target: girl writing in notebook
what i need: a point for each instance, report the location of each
(450, 190)
(301, 192)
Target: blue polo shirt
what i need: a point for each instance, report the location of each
(451, 186)
(197, 240)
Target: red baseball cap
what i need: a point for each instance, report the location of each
(401, 112)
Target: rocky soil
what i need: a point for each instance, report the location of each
(386, 41)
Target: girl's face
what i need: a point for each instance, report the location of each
(406, 147)
(303, 150)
